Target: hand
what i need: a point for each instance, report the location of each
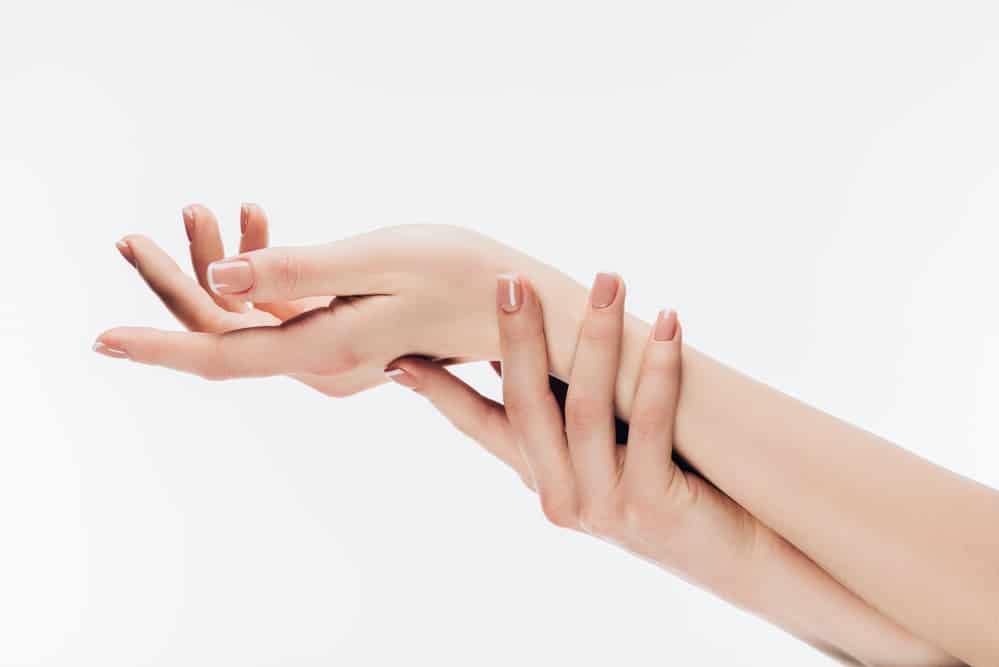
(194, 304)
(404, 290)
(636, 496)
(633, 496)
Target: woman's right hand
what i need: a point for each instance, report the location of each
(636, 497)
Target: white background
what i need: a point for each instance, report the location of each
(815, 186)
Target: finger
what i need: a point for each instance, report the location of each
(206, 247)
(254, 235)
(359, 265)
(478, 417)
(648, 460)
(589, 403)
(530, 405)
(253, 228)
(190, 304)
(320, 342)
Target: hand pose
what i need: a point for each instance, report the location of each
(404, 290)
(636, 496)
(781, 528)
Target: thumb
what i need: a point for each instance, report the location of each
(353, 266)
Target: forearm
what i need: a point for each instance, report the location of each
(794, 593)
(928, 538)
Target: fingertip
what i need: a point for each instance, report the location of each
(126, 251)
(189, 214)
(666, 326)
(401, 376)
(244, 215)
(112, 343)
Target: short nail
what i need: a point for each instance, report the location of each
(126, 251)
(509, 294)
(665, 328)
(400, 376)
(244, 214)
(109, 351)
(230, 276)
(188, 214)
(604, 290)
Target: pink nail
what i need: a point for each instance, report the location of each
(604, 290)
(230, 276)
(188, 214)
(126, 251)
(108, 351)
(665, 328)
(509, 294)
(400, 376)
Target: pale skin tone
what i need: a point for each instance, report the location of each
(891, 542)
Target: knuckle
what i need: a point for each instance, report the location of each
(217, 366)
(521, 329)
(288, 273)
(559, 509)
(601, 329)
(647, 420)
(523, 404)
(583, 412)
(600, 518)
(636, 515)
(662, 361)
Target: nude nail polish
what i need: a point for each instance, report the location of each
(126, 251)
(108, 351)
(665, 327)
(188, 214)
(230, 276)
(604, 290)
(400, 376)
(244, 214)
(509, 294)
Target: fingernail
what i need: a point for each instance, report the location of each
(108, 351)
(230, 276)
(604, 290)
(399, 376)
(188, 214)
(665, 328)
(126, 251)
(244, 214)
(509, 295)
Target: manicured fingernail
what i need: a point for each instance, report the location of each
(665, 328)
(399, 376)
(188, 214)
(108, 351)
(230, 276)
(604, 290)
(126, 251)
(244, 214)
(509, 295)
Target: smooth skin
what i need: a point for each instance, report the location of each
(635, 496)
(913, 540)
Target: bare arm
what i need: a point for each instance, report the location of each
(916, 542)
